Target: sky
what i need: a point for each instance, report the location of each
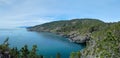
(15, 13)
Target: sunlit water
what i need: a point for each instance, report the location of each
(48, 43)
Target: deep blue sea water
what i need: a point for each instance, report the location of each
(48, 43)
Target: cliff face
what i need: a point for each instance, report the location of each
(77, 30)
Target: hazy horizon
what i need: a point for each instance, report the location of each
(17, 13)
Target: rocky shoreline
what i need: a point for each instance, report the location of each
(72, 36)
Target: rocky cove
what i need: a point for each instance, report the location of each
(76, 30)
(97, 35)
(72, 36)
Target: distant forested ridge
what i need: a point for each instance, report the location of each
(102, 39)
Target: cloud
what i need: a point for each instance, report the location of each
(24, 22)
(5, 2)
(32, 12)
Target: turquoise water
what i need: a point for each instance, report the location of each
(48, 43)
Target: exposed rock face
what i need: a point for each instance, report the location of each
(73, 36)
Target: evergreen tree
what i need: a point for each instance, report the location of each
(6, 44)
(78, 54)
(14, 53)
(24, 52)
(33, 52)
(72, 55)
(41, 56)
(109, 46)
(58, 55)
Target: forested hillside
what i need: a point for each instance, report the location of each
(77, 30)
(102, 39)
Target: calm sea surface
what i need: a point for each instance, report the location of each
(48, 43)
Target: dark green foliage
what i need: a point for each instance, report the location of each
(24, 52)
(108, 47)
(33, 52)
(58, 55)
(14, 53)
(41, 56)
(75, 55)
(72, 55)
(6, 44)
(78, 54)
(4, 48)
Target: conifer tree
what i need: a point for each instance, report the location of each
(58, 55)
(24, 52)
(72, 55)
(33, 52)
